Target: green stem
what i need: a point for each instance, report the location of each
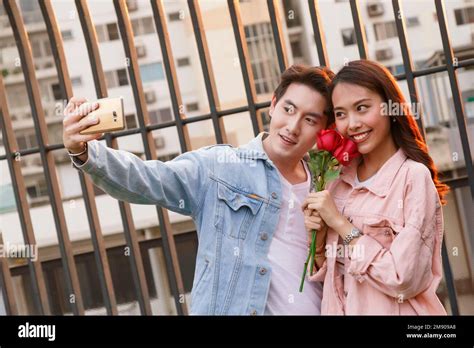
(313, 252)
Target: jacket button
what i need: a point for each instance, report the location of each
(264, 236)
(263, 270)
(274, 195)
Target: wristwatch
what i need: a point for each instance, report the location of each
(355, 233)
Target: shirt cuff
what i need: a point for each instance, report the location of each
(90, 163)
(365, 251)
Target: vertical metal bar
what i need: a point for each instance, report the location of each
(278, 37)
(169, 246)
(159, 16)
(6, 283)
(245, 64)
(359, 30)
(136, 262)
(407, 61)
(206, 64)
(32, 87)
(100, 252)
(36, 271)
(318, 32)
(457, 100)
(448, 276)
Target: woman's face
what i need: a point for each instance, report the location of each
(359, 116)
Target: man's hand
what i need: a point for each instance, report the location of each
(75, 120)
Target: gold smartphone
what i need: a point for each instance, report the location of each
(110, 114)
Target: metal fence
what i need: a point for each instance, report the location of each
(216, 115)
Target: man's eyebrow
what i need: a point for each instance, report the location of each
(354, 104)
(313, 114)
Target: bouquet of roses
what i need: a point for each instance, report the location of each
(325, 163)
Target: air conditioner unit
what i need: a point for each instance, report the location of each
(159, 142)
(150, 97)
(375, 9)
(132, 5)
(141, 51)
(384, 54)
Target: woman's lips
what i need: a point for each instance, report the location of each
(360, 137)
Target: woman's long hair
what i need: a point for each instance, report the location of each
(404, 129)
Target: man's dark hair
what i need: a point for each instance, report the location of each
(318, 78)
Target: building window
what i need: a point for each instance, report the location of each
(292, 13)
(174, 16)
(385, 30)
(112, 30)
(37, 190)
(412, 22)
(296, 48)
(116, 78)
(192, 107)
(27, 141)
(107, 32)
(464, 15)
(66, 34)
(122, 77)
(143, 26)
(183, 62)
(76, 81)
(130, 121)
(151, 72)
(265, 69)
(160, 116)
(348, 36)
(56, 91)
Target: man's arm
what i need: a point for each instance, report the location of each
(177, 185)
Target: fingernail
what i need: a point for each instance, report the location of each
(93, 118)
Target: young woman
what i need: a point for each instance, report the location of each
(385, 208)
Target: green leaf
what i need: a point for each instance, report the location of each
(331, 175)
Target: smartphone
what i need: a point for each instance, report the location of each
(110, 114)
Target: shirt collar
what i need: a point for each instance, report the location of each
(383, 178)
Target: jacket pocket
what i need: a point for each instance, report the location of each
(381, 229)
(235, 211)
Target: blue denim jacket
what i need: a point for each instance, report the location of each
(233, 195)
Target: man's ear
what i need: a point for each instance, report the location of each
(272, 106)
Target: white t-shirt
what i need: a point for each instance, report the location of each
(287, 256)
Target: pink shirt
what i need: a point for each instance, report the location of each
(395, 267)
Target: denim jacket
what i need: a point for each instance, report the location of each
(233, 196)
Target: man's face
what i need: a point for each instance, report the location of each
(295, 119)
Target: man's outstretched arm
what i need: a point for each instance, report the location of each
(178, 185)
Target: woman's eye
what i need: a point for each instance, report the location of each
(311, 121)
(339, 114)
(289, 109)
(362, 108)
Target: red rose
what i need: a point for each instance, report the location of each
(346, 151)
(328, 139)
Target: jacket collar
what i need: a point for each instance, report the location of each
(383, 178)
(254, 149)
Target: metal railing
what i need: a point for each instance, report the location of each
(180, 122)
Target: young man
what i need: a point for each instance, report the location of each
(246, 202)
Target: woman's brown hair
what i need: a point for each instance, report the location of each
(404, 129)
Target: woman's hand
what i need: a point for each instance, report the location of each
(323, 203)
(313, 221)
